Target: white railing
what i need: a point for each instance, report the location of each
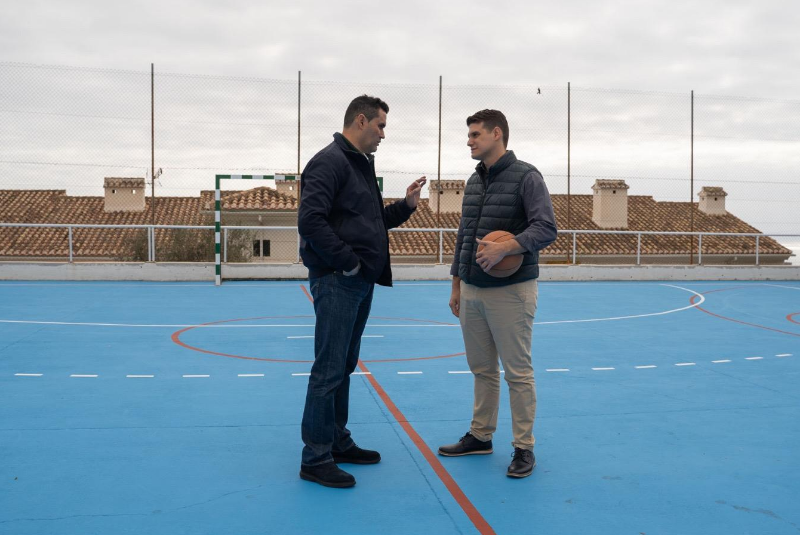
(151, 240)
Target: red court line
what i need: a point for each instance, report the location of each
(466, 505)
(691, 300)
(790, 317)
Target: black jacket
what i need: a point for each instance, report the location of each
(342, 220)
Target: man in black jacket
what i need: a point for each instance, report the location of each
(345, 246)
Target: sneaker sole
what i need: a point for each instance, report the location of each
(481, 452)
(313, 479)
(526, 474)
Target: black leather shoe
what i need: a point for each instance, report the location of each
(327, 474)
(356, 455)
(522, 464)
(467, 445)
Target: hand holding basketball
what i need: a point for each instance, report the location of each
(493, 256)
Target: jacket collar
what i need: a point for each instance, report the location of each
(346, 146)
(505, 160)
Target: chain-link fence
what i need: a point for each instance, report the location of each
(64, 130)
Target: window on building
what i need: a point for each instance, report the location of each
(261, 248)
(113, 191)
(133, 191)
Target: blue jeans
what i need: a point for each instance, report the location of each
(342, 306)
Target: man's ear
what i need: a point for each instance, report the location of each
(497, 133)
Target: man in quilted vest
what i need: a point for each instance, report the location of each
(496, 314)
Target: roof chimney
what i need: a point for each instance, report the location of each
(445, 195)
(287, 184)
(123, 194)
(712, 200)
(610, 203)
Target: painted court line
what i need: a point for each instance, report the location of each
(466, 505)
(645, 367)
(557, 370)
(459, 371)
(362, 373)
(28, 374)
(720, 361)
(251, 375)
(409, 373)
(783, 355)
(140, 376)
(685, 364)
(195, 376)
(83, 376)
(754, 358)
(602, 369)
(300, 374)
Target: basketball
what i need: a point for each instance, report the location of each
(508, 265)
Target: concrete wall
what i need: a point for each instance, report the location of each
(177, 271)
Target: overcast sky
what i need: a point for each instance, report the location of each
(729, 47)
(69, 128)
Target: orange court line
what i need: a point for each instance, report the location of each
(466, 505)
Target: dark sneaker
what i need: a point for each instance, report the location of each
(522, 464)
(467, 445)
(356, 455)
(327, 474)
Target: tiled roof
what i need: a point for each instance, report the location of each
(644, 213)
(609, 184)
(716, 191)
(113, 182)
(261, 198)
(442, 185)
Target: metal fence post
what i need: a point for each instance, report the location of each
(70, 244)
(441, 246)
(574, 249)
(700, 250)
(639, 249)
(225, 244)
(757, 260)
(298, 247)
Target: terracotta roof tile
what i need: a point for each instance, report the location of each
(644, 213)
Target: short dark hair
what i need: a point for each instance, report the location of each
(365, 104)
(490, 120)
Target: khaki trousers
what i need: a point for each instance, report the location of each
(498, 322)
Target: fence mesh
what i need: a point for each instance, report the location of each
(66, 129)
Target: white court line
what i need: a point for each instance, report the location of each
(720, 361)
(409, 373)
(83, 376)
(685, 364)
(140, 376)
(645, 367)
(300, 374)
(783, 355)
(296, 337)
(557, 370)
(251, 375)
(28, 374)
(379, 326)
(754, 358)
(195, 376)
(782, 286)
(460, 371)
(362, 373)
(602, 369)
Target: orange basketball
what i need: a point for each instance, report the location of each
(508, 265)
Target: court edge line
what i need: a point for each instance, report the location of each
(429, 323)
(461, 499)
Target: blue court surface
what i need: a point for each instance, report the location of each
(170, 408)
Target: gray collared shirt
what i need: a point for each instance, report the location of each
(541, 230)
